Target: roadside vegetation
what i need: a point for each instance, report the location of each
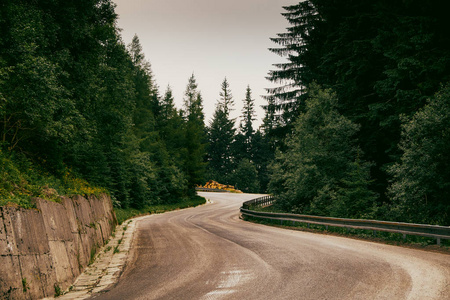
(124, 214)
(23, 180)
(80, 112)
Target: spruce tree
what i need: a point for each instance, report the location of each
(287, 99)
(246, 126)
(226, 98)
(262, 156)
(221, 136)
(173, 134)
(244, 147)
(195, 135)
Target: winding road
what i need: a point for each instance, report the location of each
(209, 253)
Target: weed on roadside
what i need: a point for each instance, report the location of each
(25, 286)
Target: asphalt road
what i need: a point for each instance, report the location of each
(209, 253)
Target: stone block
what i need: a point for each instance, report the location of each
(55, 220)
(71, 249)
(109, 209)
(80, 253)
(83, 213)
(71, 215)
(31, 277)
(47, 274)
(85, 250)
(96, 208)
(10, 278)
(61, 263)
(98, 236)
(29, 232)
(7, 242)
(105, 229)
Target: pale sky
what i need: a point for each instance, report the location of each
(210, 38)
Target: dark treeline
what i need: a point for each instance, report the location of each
(361, 116)
(74, 99)
(237, 156)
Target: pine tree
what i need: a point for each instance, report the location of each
(172, 125)
(195, 135)
(221, 136)
(244, 148)
(190, 104)
(226, 98)
(246, 126)
(262, 156)
(287, 99)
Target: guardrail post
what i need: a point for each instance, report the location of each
(431, 231)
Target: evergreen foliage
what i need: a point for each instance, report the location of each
(245, 177)
(320, 154)
(383, 60)
(238, 158)
(74, 100)
(421, 179)
(246, 125)
(262, 156)
(359, 119)
(195, 135)
(221, 136)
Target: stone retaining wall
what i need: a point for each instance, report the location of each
(45, 249)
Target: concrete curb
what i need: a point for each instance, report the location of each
(108, 265)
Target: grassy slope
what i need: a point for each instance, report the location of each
(21, 180)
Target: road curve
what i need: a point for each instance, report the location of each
(209, 253)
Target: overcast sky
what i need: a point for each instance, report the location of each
(212, 39)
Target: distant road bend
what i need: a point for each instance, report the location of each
(209, 253)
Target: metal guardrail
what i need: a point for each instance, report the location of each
(433, 231)
(261, 201)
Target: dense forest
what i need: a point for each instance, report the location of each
(358, 125)
(80, 111)
(361, 113)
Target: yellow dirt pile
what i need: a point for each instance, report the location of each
(215, 185)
